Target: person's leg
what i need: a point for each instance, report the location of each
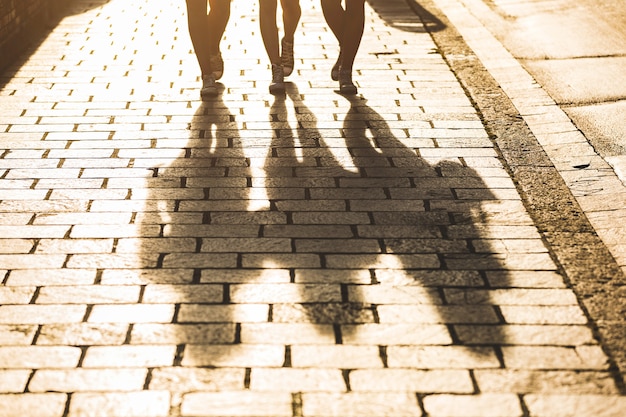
(353, 25)
(334, 15)
(269, 33)
(347, 26)
(198, 23)
(269, 29)
(218, 19)
(291, 18)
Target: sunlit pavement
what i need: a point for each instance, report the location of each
(251, 255)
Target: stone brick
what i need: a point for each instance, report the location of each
(41, 314)
(543, 315)
(25, 357)
(391, 294)
(383, 261)
(267, 275)
(580, 404)
(238, 355)
(132, 313)
(88, 294)
(42, 405)
(13, 380)
(16, 295)
(223, 313)
(336, 356)
(131, 404)
(530, 297)
(183, 293)
(82, 334)
(412, 380)
(284, 293)
(297, 380)
(545, 382)
(436, 314)
(287, 333)
(442, 357)
(17, 334)
(525, 335)
(395, 334)
(185, 379)
(176, 334)
(81, 380)
(360, 404)
(553, 358)
(237, 403)
(129, 356)
(487, 405)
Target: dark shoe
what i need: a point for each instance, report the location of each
(286, 56)
(277, 86)
(346, 86)
(209, 88)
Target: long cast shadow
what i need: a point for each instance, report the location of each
(353, 237)
(407, 15)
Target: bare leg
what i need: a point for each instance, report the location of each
(206, 30)
(269, 29)
(291, 17)
(217, 20)
(198, 22)
(347, 26)
(353, 24)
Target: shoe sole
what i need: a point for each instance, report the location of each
(348, 89)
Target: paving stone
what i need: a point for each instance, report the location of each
(237, 403)
(129, 356)
(85, 380)
(239, 355)
(563, 405)
(44, 404)
(82, 334)
(135, 404)
(184, 379)
(430, 381)
(357, 404)
(487, 405)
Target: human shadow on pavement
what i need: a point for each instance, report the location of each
(313, 238)
(393, 231)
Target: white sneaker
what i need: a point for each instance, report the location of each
(277, 85)
(209, 89)
(287, 56)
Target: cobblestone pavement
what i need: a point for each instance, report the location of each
(306, 255)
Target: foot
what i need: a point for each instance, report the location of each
(287, 56)
(209, 88)
(217, 65)
(277, 85)
(346, 86)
